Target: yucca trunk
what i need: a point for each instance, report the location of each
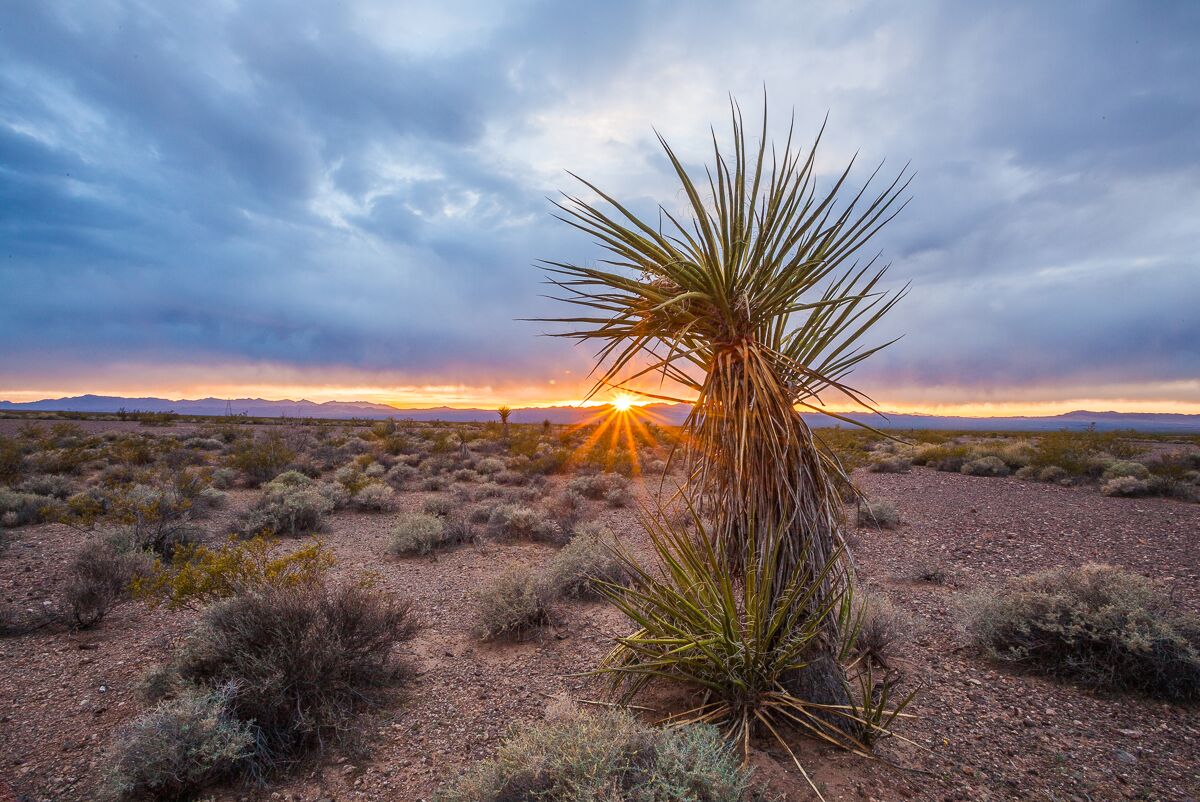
(760, 470)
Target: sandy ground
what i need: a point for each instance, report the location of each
(988, 733)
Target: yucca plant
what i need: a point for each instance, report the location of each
(504, 412)
(738, 641)
(753, 307)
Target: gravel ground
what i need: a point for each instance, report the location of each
(987, 733)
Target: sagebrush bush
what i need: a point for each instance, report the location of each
(606, 756)
(881, 514)
(417, 533)
(1124, 469)
(294, 506)
(1102, 626)
(100, 576)
(890, 465)
(439, 506)
(180, 747)
(598, 485)
(1053, 474)
(59, 487)
(985, 466)
(586, 559)
(511, 605)
(1126, 486)
(301, 660)
(518, 522)
(375, 497)
(28, 508)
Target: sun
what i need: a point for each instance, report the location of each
(622, 403)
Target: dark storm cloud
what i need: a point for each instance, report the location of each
(362, 186)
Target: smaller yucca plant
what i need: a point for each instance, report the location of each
(740, 643)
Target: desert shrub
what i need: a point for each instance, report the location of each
(155, 517)
(181, 746)
(1052, 473)
(433, 483)
(618, 497)
(890, 465)
(375, 498)
(511, 478)
(881, 514)
(490, 466)
(100, 576)
(20, 509)
(197, 575)
(598, 485)
(606, 755)
(59, 487)
(517, 522)
(1126, 486)
(566, 508)
(400, 474)
(9, 519)
(1121, 469)
(985, 466)
(287, 508)
(512, 605)
(931, 570)
(301, 661)
(335, 495)
(210, 498)
(11, 457)
(588, 558)
(944, 457)
(374, 471)
(261, 459)
(880, 626)
(439, 505)
(417, 533)
(465, 475)
(1102, 626)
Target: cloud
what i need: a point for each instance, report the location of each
(362, 188)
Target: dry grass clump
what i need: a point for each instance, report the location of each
(880, 626)
(603, 757)
(180, 747)
(879, 514)
(985, 466)
(1101, 626)
(513, 604)
(583, 562)
(1128, 487)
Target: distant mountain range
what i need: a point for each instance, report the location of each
(666, 413)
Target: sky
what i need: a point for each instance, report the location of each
(347, 200)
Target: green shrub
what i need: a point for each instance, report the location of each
(11, 457)
(301, 661)
(181, 746)
(1052, 473)
(985, 466)
(605, 757)
(59, 487)
(1102, 626)
(511, 605)
(880, 514)
(198, 575)
(261, 459)
(578, 565)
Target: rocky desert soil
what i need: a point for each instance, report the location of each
(984, 732)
